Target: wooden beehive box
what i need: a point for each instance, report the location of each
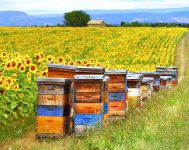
(88, 88)
(166, 81)
(156, 79)
(117, 92)
(174, 73)
(88, 91)
(53, 106)
(134, 82)
(146, 88)
(61, 71)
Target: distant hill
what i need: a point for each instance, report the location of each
(16, 18)
(178, 15)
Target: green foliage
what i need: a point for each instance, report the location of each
(76, 19)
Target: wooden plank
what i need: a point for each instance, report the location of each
(54, 99)
(121, 78)
(116, 105)
(45, 110)
(88, 119)
(60, 74)
(117, 87)
(89, 108)
(88, 87)
(57, 125)
(88, 97)
(117, 96)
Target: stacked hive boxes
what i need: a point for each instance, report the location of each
(145, 87)
(117, 92)
(174, 72)
(155, 77)
(53, 110)
(89, 110)
(134, 91)
(64, 71)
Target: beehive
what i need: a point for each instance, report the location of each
(89, 110)
(117, 88)
(174, 72)
(156, 79)
(146, 88)
(134, 91)
(166, 81)
(53, 107)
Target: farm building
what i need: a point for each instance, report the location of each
(96, 23)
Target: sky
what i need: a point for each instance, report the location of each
(61, 6)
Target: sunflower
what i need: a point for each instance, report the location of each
(33, 68)
(28, 62)
(8, 66)
(50, 59)
(41, 54)
(21, 95)
(28, 76)
(78, 62)
(16, 87)
(13, 64)
(1, 83)
(44, 74)
(37, 57)
(60, 59)
(22, 68)
(9, 81)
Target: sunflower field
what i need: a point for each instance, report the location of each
(25, 53)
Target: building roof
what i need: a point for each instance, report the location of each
(96, 22)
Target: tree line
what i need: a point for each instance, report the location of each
(81, 18)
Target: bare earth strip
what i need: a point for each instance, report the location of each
(182, 57)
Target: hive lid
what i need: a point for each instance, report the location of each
(148, 79)
(89, 77)
(90, 69)
(55, 80)
(60, 66)
(165, 77)
(116, 71)
(133, 76)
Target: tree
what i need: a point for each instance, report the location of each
(76, 18)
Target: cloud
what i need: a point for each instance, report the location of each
(61, 6)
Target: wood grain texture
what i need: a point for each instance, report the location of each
(116, 87)
(60, 74)
(52, 125)
(88, 97)
(116, 105)
(89, 108)
(117, 78)
(88, 87)
(54, 99)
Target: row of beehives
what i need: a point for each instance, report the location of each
(73, 99)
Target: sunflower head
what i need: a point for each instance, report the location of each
(33, 68)
(22, 68)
